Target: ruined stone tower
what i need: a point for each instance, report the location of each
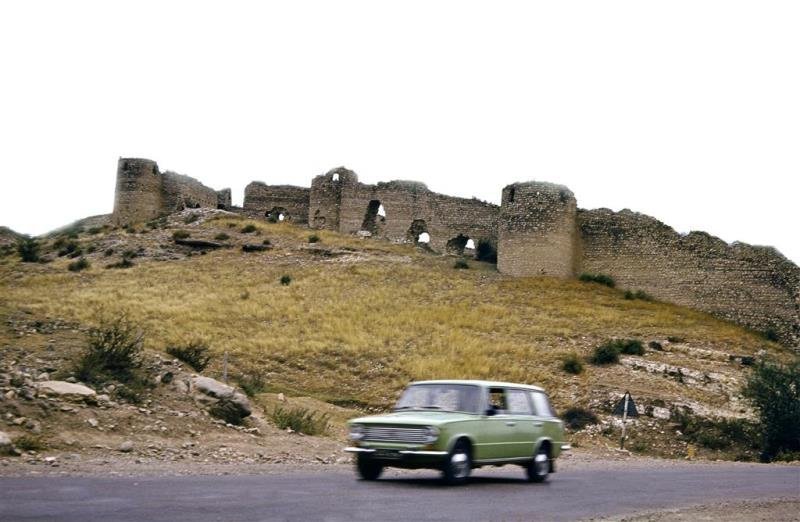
(325, 203)
(538, 233)
(138, 194)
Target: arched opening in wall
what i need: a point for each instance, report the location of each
(374, 218)
(461, 245)
(278, 215)
(486, 250)
(418, 232)
(511, 194)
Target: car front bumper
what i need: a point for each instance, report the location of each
(402, 458)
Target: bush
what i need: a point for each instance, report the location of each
(249, 229)
(772, 335)
(30, 443)
(28, 250)
(125, 263)
(180, 234)
(638, 294)
(461, 264)
(253, 383)
(286, 280)
(607, 353)
(655, 345)
(774, 391)
(195, 354)
(222, 236)
(486, 251)
(95, 230)
(577, 418)
(130, 254)
(630, 346)
(191, 218)
(80, 264)
(113, 352)
(314, 239)
(600, 279)
(266, 242)
(300, 420)
(715, 433)
(572, 364)
(109, 252)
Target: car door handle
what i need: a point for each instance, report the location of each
(511, 423)
(538, 424)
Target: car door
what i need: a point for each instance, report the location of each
(547, 423)
(526, 428)
(497, 430)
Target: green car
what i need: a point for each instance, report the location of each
(456, 426)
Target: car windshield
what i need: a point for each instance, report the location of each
(445, 397)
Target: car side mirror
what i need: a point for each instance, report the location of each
(491, 412)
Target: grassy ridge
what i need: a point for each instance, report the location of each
(359, 325)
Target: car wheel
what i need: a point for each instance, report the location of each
(459, 464)
(367, 468)
(539, 467)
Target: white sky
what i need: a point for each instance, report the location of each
(685, 110)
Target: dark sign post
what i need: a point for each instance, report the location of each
(625, 408)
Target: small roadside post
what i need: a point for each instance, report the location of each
(625, 408)
(225, 367)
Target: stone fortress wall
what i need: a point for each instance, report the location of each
(144, 193)
(538, 230)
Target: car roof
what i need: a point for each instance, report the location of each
(485, 384)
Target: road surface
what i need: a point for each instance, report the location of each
(496, 494)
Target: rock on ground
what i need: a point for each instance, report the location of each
(66, 388)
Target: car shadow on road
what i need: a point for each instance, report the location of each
(434, 482)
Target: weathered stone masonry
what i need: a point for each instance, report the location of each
(538, 231)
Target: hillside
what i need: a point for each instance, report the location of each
(360, 318)
(8, 237)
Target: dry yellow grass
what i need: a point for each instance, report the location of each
(360, 327)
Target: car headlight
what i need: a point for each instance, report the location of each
(431, 434)
(356, 432)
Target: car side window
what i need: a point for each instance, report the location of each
(541, 405)
(497, 400)
(518, 402)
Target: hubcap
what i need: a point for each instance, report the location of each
(540, 465)
(460, 465)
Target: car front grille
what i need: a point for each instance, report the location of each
(391, 434)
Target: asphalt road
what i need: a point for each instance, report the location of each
(497, 494)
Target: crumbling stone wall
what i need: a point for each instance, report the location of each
(144, 193)
(262, 200)
(399, 211)
(538, 231)
(753, 286)
(224, 199)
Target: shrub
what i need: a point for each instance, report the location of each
(600, 279)
(253, 383)
(266, 242)
(180, 234)
(314, 239)
(607, 353)
(715, 433)
(95, 230)
(486, 251)
(113, 351)
(772, 335)
(80, 264)
(674, 339)
(222, 236)
(191, 218)
(630, 346)
(125, 263)
(109, 252)
(130, 254)
(30, 443)
(300, 420)
(638, 294)
(461, 264)
(774, 391)
(28, 250)
(655, 345)
(195, 354)
(249, 228)
(286, 280)
(577, 418)
(572, 364)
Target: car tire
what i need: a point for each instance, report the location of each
(458, 466)
(539, 468)
(368, 468)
